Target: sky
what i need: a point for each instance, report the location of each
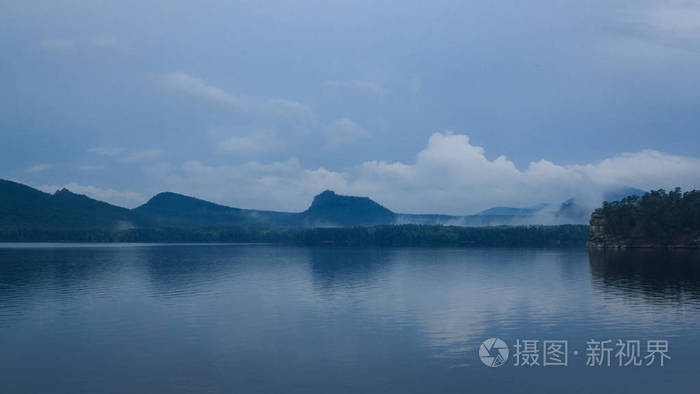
(427, 107)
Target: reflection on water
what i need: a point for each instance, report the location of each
(666, 278)
(256, 318)
(342, 268)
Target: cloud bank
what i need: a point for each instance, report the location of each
(185, 84)
(39, 168)
(344, 131)
(356, 86)
(449, 175)
(258, 141)
(290, 111)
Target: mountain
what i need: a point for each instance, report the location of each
(571, 211)
(327, 209)
(333, 210)
(22, 207)
(176, 210)
(509, 211)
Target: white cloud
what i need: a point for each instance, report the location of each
(108, 43)
(90, 168)
(39, 168)
(184, 83)
(143, 156)
(344, 131)
(104, 151)
(366, 87)
(287, 110)
(259, 141)
(681, 19)
(278, 185)
(659, 33)
(293, 112)
(449, 176)
(125, 156)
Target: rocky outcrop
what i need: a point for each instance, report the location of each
(597, 238)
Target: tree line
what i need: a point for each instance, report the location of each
(389, 235)
(658, 217)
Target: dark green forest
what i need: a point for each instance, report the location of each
(657, 217)
(393, 235)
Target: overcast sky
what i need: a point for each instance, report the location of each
(435, 106)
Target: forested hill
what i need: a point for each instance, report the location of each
(22, 207)
(27, 214)
(329, 208)
(656, 219)
(180, 211)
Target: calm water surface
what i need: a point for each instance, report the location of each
(273, 319)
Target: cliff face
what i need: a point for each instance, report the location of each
(598, 237)
(596, 232)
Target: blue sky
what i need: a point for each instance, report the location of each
(440, 106)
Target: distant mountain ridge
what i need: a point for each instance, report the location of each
(509, 211)
(23, 207)
(176, 210)
(169, 209)
(572, 211)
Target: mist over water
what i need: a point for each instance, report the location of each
(260, 318)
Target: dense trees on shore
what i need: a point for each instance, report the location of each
(398, 235)
(657, 217)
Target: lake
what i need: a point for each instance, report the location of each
(81, 318)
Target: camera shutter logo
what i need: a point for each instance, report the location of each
(493, 352)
